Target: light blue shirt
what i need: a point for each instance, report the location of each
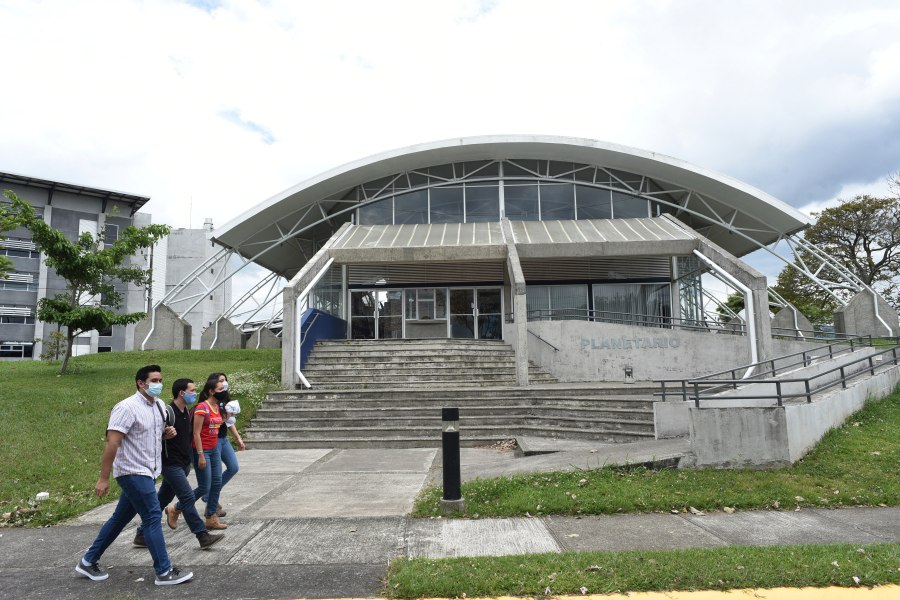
(141, 449)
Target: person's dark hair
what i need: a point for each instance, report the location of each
(209, 388)
(179, 386)
(144, 372)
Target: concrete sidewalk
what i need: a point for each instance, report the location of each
(325, 523)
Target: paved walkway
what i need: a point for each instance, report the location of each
(325, 523)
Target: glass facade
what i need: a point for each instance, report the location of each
(646, 304)
(523, 190)
(690, 289)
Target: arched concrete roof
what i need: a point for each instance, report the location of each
(727, 199)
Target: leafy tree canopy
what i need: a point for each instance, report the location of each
(91, 270)
(862, 233)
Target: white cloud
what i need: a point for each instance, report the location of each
(210, 107)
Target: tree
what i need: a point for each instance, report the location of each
(734, 302)
(90, 270)
(7, 222)
(864, 235)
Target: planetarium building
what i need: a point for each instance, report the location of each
(586, 257)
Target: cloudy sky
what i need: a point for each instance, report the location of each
(210, 107)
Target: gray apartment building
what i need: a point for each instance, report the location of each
(73, 209)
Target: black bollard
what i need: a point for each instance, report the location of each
(452, 500)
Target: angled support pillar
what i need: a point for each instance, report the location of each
(520, 313)
(294, 292)
(756, 295)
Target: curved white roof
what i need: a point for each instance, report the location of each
(725, 199)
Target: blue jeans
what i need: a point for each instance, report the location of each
(209, 480)
(175, 483)
(138, 498)
(229, 459)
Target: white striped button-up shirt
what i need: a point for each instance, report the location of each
(141, 449)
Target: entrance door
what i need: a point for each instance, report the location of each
(490, 314)
(476, 313)
(389, 307)
(376, 314)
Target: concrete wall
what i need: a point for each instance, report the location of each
(591, 351)
(777, 435)
(221, 334)
(169, 331)
(858, 316)
(790, 320)
(263, 338)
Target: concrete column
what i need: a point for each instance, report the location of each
(789, 319)
(289, 342)
(759, 292)
(520, 312)
(859, 317)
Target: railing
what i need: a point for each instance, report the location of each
(710, 386)
(751, 374)
(606, 316)
(543, 340)
(808, 334)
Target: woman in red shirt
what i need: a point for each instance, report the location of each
(207, 457)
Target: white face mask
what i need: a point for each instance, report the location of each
(224, 386)
(154, 389)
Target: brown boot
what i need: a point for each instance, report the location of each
(213, 522)
(172, 516)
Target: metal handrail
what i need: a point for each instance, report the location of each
(811, 334)
(543, 340)
(809, 390)
(607, 316)
(807, 356)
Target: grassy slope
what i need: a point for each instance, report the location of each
(856, 464)
(848, 467)
(53, 427)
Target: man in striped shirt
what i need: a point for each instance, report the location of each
(134, 438)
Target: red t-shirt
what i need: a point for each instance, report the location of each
(212, 420)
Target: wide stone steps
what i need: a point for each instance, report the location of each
(354, 364)
(390, 437)
(469, 399)
(395, 414)
(389, 393)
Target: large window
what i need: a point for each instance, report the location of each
(16, 349)
(557, 302)
(426, 303)
(16, 314)
(22, 282)
(531, 189)
(646, 304)
(18, 248)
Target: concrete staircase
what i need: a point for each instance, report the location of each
(389, 394)
(414, 364)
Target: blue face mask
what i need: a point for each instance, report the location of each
(154, 389)
(190, 397)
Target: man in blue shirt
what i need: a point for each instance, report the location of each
(133, 452)
(176, 461)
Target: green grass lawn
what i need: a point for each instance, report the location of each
(544, 575)
(856, 464)
(53, 427)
